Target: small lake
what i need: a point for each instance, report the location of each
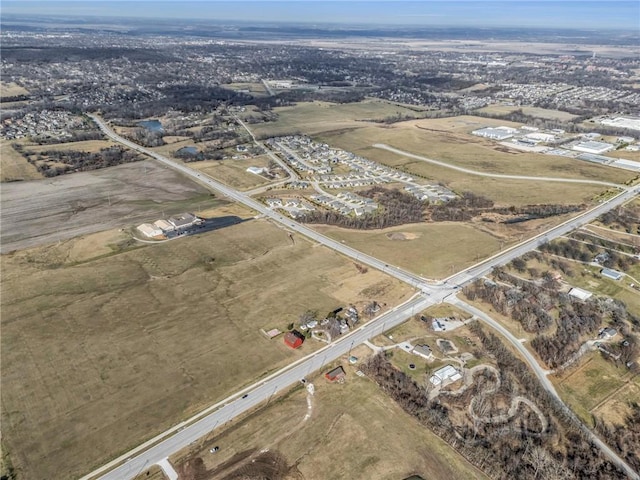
(189, 150)
(153, 125)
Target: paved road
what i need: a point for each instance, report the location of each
(493, 175)
(546, 383)
(259, 393)
(262, 391)
(411, 279)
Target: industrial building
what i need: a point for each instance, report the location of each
(150, 230)
(445, 374)
(184, 220)
(592, 147)
(632, 123)
(497, 133)
(164, 225)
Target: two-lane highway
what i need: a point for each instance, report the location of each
(189, 431)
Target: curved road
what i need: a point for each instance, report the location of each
(493, 175)
(149, 453)
(546, 383)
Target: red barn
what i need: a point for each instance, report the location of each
(294, 339)
(335, 374)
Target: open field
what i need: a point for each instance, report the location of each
(90, 146)
(616, 407)
(44, 211)
(234, 172)
(316, 117)
(430, 253)
(14, 166)
(254, 88)
(12, 90)
(626, 154)
(354, 432)
(100, 353)
(537, 112)
(425, 137)
(590, 384)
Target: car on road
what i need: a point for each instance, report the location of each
(214, 449)
(245, 395)
(303, 380)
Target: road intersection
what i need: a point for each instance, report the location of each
(430, 293)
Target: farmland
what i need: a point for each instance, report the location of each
(45, 211)
(383, 442)
(234, 172)
(537, 112)
(80, 331)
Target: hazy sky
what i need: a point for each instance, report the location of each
(623, 15)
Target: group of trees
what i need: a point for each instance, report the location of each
(57, 162)
(501, 451)
(395, 208)
(586, 249)
(625, 437)
(625, 217)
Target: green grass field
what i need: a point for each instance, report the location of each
(100, 353)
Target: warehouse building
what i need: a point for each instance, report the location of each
(150, 230)
(592, 147)
(497, 133)
(612, 274)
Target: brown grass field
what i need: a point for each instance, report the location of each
(316, 117)
(13, 166)
(355, 431)
(90, 146)
(429, 254)
(103, 350)
(424, 137)
(593, 384)
(626, 154)
(234, 172)
(533, 111)
(12, 90)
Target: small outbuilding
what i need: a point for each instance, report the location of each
(580, 293)
(612, 274)
(294, 339)
(335, 374)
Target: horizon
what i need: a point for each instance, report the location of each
(619, 15)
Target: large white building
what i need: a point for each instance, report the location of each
(592, 147)
(444, 374)
(149, 230)
(632, 123)
(497, 133)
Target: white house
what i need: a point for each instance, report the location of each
(423, 351)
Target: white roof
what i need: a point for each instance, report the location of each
(445, 373)
(580, 293)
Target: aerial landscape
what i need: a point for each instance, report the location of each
(305, 240)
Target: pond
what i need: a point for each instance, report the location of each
(153, 125)
(189, 150)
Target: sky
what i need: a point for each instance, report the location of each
(579, 14)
